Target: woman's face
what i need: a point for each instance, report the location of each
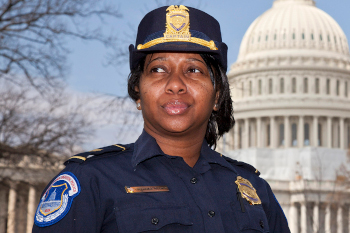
(176, 94)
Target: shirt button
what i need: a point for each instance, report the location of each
(155, 221)
(211, 213)
(194, 180)
(262, 224)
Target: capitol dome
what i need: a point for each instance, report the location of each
(297, 28)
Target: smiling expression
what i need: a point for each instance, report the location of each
(176, 93)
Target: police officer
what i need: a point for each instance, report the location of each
(169, 180)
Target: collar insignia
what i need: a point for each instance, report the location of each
(247, 191)
(177, 23)
(146, 189)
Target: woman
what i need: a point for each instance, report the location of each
(169, 180)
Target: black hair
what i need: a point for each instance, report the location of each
(220, 121)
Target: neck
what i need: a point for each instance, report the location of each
(188, 147)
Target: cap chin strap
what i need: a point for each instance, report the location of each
(210, 44)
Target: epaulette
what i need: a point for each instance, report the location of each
(82, 157)
(246, 166)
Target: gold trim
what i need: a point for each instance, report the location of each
(209, 44)
(95, 150)
(78, 157)
(146, 189)
(256, 171)
(120, 147)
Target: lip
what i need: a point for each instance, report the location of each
(175, 107)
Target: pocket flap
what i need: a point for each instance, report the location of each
(151, 217)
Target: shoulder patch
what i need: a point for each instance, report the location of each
(57, 200)
(243, 165)
(82, 157)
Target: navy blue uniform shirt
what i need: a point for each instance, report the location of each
(91, 196)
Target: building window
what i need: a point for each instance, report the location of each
(306, 134)
(306, 85)
(312, 36)
(275, 37)
(328, 86)
(281, 138)
(267, 37)
(250, 88)
(250, 136)
(321, 37)
(319, 133)
(260, 86)
(282, 85)
(337, 89)
(346, 89)
(242, 88)
(293, 36)
(349, 136)
(268, 135)
(294, 85)
(303, 36)
(259, 39)
(240, 137)
(317, 85)
(294, 135)
(335, 39)
(270, 86)
(329, 38)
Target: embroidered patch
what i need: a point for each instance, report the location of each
(57, 200)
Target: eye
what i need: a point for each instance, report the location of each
(157, 70)
(194, 70)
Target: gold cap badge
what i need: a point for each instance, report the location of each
(177, 23)
(247, 191)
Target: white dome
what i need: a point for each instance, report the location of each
(294, 25)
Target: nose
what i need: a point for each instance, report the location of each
(176, 84)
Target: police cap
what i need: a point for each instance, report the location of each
(178, 28)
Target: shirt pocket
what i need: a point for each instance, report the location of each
(154, 217)
(252, 220)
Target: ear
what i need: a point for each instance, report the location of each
(216, 107)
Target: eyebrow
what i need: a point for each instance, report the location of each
(164, 59)
(155, 59)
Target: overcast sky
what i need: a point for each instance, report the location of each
(88, 74)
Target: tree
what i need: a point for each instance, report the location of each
(33, 35)
(33, 125)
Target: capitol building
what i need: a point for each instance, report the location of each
(291, 92)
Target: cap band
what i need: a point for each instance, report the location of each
(210, 44)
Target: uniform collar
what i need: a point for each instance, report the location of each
(146, 147)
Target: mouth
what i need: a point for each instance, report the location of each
(175, 107)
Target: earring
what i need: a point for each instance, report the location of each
(138, 105)
(216, 105)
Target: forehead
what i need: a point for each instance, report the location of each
(177, 56)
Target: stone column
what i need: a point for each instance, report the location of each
(293, 219)
(315, 131)
(301, 132)
(258, 133)
(328, 219)
(316, 218)
(272, 132)
(31, 208)
(340, 219)
(287, 133)
(246, 133)
(341, 133)
(329, 132)
(303, 218)
(236, 136)
(11, 209)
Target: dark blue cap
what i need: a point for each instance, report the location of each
(178, 28)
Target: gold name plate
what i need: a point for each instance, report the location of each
(146, 189)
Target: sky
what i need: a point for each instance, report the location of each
(89, 73)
